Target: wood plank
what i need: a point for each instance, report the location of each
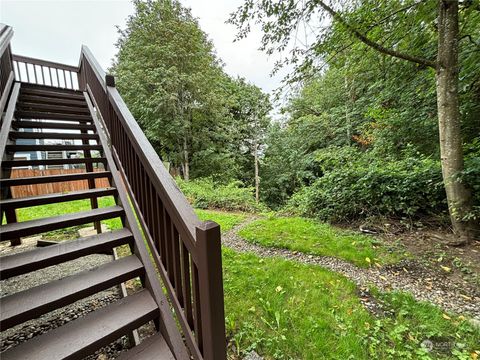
(153, 348)
(50, 135)
(27, 261)
(50, 108)
(51, 116)
(19, 148)
(32, 303)
(31, 227)
(18, 203)
(51, 91)
(50, 125)
(84, 336)
(50, 162)
(51, 100)
(53, 178)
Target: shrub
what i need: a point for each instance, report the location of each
(205, 193)
(471, 176)
(365, 186)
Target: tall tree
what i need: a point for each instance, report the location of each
(168, 74)
(398, 29)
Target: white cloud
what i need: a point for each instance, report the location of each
(55, 30)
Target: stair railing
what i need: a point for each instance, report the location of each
(7, 75)
(186, 251)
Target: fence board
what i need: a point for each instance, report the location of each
(59, 187)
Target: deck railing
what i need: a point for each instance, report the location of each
(42, 72)
(187, 252)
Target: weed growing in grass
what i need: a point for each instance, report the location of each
(287, 310)
(312, 237)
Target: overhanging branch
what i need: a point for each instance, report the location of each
(363, 38)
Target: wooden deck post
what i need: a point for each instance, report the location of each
(211, 291)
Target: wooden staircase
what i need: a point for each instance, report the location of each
(175, 256)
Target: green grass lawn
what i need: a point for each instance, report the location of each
(37, 212)
(286, 310)
(313, 237)
(226, 220)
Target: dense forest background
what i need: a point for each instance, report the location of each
(358, 137)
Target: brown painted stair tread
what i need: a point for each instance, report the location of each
(83, 336)
(31, 124)
(60, 109)
(23, 202)
(16, 148)
(35, 99)
(39, 258)
(54, 178)
(32, 227)
(153, 348)
(52, 116)
(50, 135)
(50, 162)
(34, 302)
(51, 93)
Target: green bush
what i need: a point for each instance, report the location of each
(365, 186)
(207, 194)
(471, 176)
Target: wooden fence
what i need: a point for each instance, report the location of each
(54, 187)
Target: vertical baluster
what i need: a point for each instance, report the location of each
(35, 73)
(65, 79)
(154, 212)
(43, 76)
(186, 284)
(168, 246)
(159, 239)
(50, 73)
(58, 77)
(197, 320)
(71, 79)
(26, 70)
(163, 243)
(177, 272)
(148, 205)
(18, 71)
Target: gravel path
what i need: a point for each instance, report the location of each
(409, 276)
(20, 333)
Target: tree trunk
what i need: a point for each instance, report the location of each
(257, 177)
(458, 195)
(186, 162)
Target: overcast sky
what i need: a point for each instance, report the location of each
(55, 30)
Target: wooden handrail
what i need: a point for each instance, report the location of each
(52, 64)
(45, 73)
(6, 66)
(187, 251)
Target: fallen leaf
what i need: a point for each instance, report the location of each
(383, 278)
(445, 268)
(466, 297)
(445, 316)
(278, 289)
(367, 259)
